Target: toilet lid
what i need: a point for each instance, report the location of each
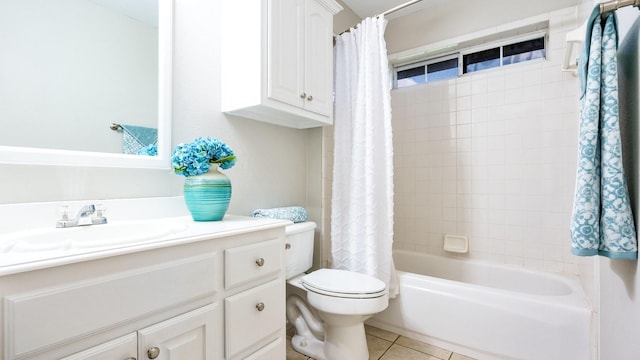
(342, 283)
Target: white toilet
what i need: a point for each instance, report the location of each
(328, 307)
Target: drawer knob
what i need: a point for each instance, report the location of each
(260, 306)
(153, 353)
(130, 358)
(260, 262)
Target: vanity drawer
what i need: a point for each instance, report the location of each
(254, 317)
(244, 264)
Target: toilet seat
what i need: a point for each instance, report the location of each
(343, 284)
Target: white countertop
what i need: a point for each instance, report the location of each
(23, 217)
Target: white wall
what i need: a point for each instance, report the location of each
(620, 279)
(442, 20)
(344, 19)
(273, 167)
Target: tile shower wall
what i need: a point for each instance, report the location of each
(491, 155)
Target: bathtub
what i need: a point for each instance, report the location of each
(488, 311)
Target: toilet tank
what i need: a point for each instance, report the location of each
(298, 254)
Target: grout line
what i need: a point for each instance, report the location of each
(384, 352)
(389, 347)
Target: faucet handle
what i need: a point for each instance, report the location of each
(98, 216)
(100, 210)
(63, 212)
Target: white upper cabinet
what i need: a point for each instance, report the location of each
(277, 61)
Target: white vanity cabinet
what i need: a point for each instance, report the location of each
(218, 295)
(278, 67)
(254, 316)
(124, 348)
(185, 336)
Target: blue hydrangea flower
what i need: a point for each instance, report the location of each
(195, 158)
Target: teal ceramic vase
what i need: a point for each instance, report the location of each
(207, 195)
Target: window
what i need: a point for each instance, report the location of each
(523, 51)
(411, 77)
(426, 71)
(525, 48)
(442, 70)
(507, 54)
(481, 60)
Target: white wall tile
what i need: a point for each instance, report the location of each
(494, 158)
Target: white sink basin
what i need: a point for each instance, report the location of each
(86, 237)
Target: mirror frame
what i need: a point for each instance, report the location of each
(40, 156)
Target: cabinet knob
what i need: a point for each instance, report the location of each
(287, 246)
(260, 262)
(260, 306)
(309, 98)
(153, 353)
(303, 95)
(130, 358)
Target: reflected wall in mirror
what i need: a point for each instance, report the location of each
(70, 69)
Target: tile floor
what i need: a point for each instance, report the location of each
(385, 345)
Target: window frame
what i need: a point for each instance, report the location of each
(425, 63)
(460, 53)
(507, 41)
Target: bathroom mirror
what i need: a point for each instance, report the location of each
(71, 69)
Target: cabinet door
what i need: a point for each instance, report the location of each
(318, 71)
(187, 336)
(285, 49)
(274, 350)
(122, 348)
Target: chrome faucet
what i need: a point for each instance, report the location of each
(88, 215)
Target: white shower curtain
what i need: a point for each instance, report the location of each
(362, 201)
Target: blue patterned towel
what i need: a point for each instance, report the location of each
(294, 213)
(602, 221)
(135, 138)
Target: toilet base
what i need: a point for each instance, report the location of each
(311, 347)
(341, 342)
(346, 342)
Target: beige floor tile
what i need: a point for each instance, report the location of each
(377, 346)
(382, 347)
(425, 348)
(383, 334)
(398, 352)
(455, 356)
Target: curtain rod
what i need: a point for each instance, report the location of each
(616, 4)
(390, 11)
(400, 7)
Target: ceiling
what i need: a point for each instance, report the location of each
(365, 8)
